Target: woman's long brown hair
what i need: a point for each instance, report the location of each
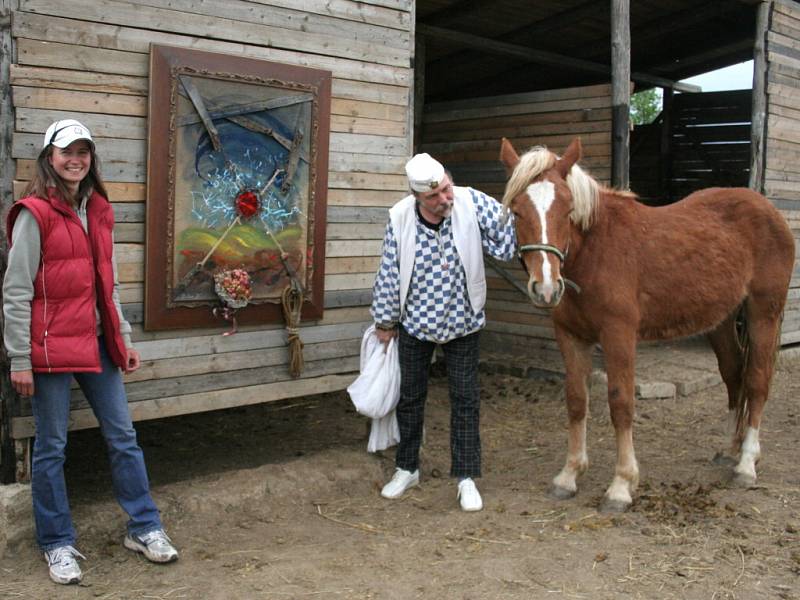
(45, 176)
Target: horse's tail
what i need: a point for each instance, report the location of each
(743, 338)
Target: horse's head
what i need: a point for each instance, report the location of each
(544, 208)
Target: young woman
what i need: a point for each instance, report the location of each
(63, 320)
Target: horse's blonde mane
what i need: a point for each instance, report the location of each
(585, 190)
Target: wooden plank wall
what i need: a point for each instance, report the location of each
(782, 140)
(646, 162)
(465, 135)
(709, 141)
(89, 59)
(709, 145)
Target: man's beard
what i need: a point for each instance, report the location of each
(445, 211)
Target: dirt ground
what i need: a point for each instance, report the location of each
(281, 501)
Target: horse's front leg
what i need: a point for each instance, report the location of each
(619, 348)
(577, 356)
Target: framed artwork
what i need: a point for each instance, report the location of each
(237, 179)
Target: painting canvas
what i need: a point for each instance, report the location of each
(237, 175)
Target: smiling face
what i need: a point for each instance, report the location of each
(72, 163)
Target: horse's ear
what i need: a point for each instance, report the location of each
(508, 156)
(571, 155)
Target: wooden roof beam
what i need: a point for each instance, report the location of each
(543, 57)
(576, 14)
(446, 14)
(667, 25)
(732, 49)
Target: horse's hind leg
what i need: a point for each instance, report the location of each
(577, 356)
(763, 327)
(725, 344)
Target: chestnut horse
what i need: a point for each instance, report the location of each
(615, 271)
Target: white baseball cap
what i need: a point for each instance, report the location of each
(424, 173)
(62, 133)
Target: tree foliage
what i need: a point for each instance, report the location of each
(645, 106)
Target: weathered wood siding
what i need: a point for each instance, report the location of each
(709, 141)
(89, 59)
(781, 182)
(465, 136)
(706, 144)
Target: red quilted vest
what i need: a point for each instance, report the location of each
(75, 274)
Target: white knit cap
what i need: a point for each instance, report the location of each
(424, 173)
(62, 133)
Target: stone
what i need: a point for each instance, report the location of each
(655, 389)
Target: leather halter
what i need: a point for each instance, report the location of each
(552, 250)
(544, 248)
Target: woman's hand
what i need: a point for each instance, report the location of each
(22, 381)
(134, 360)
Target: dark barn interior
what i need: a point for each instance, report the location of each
(471, 49)
(475, 48)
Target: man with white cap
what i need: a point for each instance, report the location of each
(430, 290)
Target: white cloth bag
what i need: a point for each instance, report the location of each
(377, 389)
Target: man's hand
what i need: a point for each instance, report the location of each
(133, 362)
(22, 381)
(385, 335)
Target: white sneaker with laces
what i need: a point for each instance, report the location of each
(64, 568)
(401, 481)
(155, 545)
(469, 495)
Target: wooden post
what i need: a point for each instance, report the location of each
(665, 150)
(758, 127)
(620, 93)
(7, 52)
(10, 401)
(419, 90)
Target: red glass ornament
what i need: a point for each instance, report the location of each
(247, 204)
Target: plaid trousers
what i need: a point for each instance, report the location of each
(461, 357)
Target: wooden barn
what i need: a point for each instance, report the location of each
(382, 80)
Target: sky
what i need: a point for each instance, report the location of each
(735, 77)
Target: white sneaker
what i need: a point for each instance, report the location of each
(64, 568)
(155, 545)
(469, 495)
(401, 481)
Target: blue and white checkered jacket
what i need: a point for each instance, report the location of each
(437, 307)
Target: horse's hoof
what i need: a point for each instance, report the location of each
(743, 480)
(723, 460)
(614, 506)
(562, 493)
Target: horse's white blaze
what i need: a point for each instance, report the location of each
(751, 451)
(542, 195)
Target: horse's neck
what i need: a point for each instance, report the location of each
(608, 204)
(577, 239)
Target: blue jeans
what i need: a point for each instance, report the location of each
(106, 395)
